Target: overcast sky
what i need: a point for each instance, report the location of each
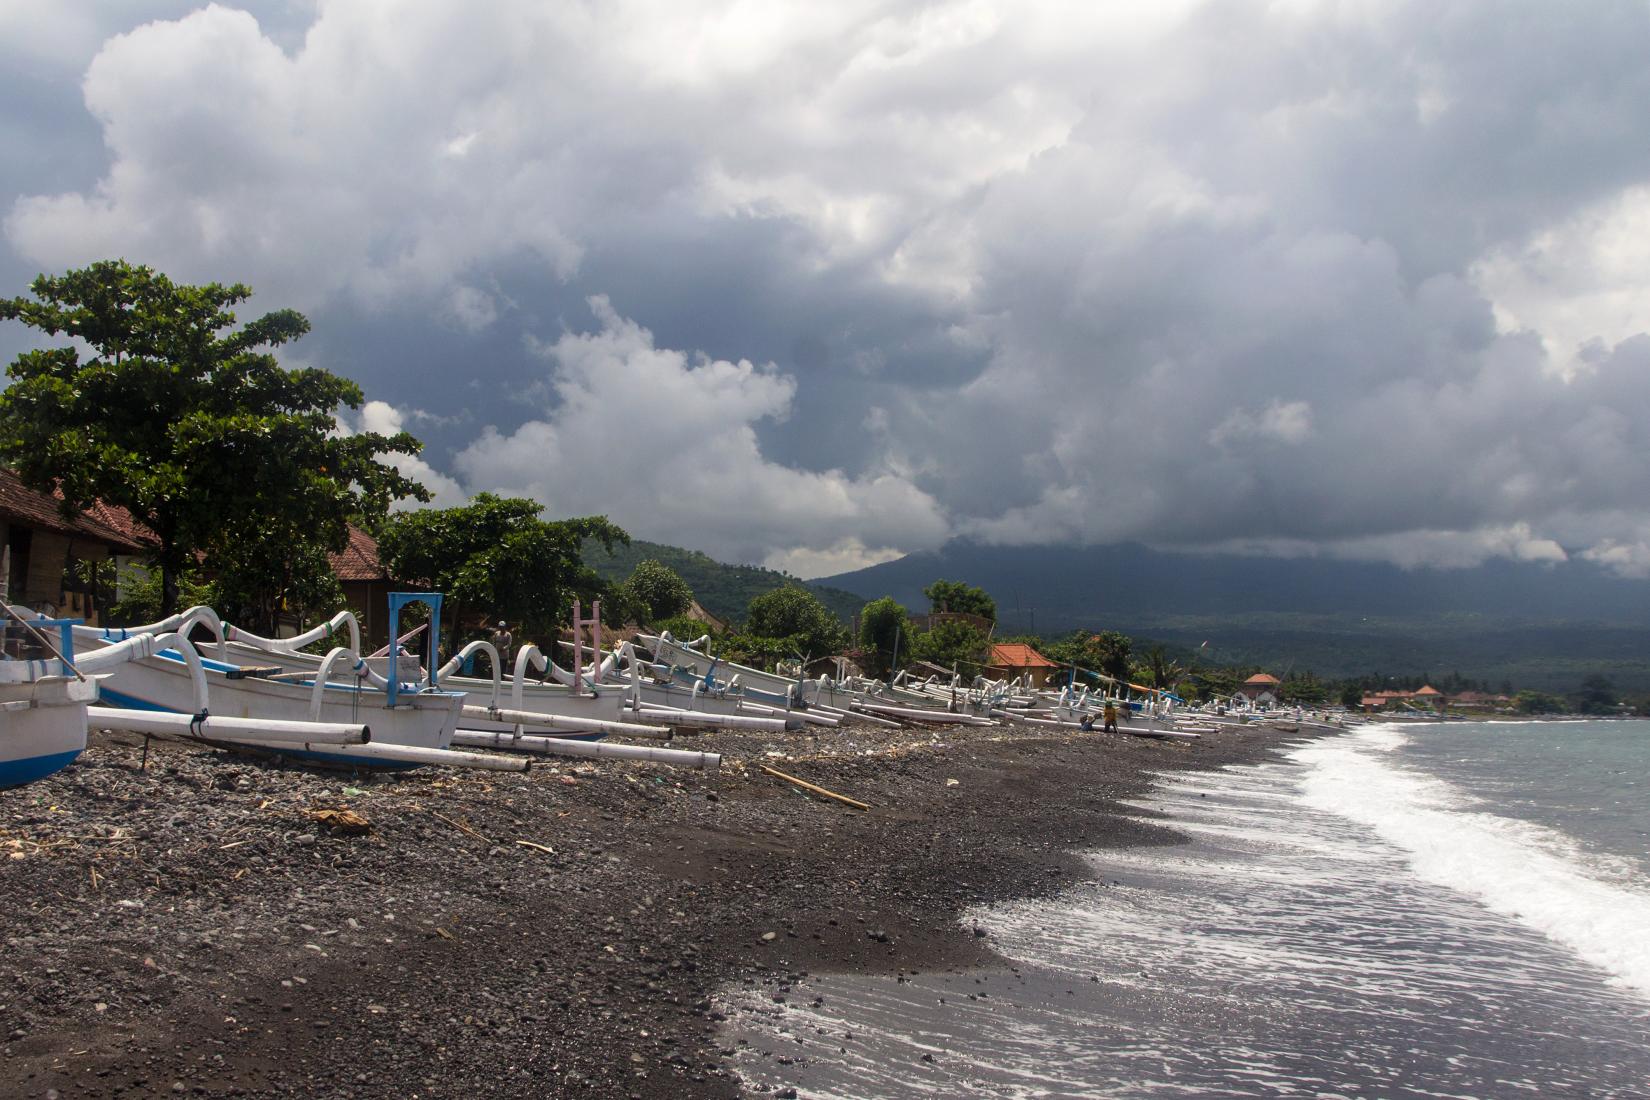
(814, 285)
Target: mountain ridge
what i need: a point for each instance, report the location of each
(1077, 583)
(1538, 625)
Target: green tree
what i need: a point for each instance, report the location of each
(162, 406)
(1109, 651)
(1597, 696)
(255, 581)
(881, 623)
(956, 596)
(952, 644)
(795, 614)
(494, 555)
(659, 590)
(1304, 688)
(1538, 702)
(1217, 683)
(1159, 670)
(141, 598)
(683, 628)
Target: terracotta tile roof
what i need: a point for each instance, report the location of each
(1262, 678)
(23, 505)
(1429, 690)
(119, 519)
(359, 560)
(1018, 655)
(114, 525)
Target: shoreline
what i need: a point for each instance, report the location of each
(193, 929)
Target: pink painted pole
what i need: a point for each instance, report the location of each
(577, 649)
(596, 637)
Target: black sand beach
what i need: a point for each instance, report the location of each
(196, 929)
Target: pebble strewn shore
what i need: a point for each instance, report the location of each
(203, 926)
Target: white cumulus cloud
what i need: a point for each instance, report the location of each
(664, 444)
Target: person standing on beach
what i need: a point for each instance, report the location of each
(1111, 717)
(502, 641)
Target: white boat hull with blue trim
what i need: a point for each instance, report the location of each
(42, 725)
(162, 682)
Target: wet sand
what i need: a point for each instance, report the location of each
(194, 928)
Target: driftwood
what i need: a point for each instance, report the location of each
(460, 826)
(805, 785)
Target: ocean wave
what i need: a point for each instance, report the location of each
(1536, 875)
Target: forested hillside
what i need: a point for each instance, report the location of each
(723, 590)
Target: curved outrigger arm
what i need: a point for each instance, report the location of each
(343, 621)
(478, 646)
(139, 646)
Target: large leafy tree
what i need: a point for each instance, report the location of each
(1108, 652)
(944, 595)
(1158, 669)
(953, 644)
(796, 615)
(161, 405)
(881, 624)
(496, 556)
(1597, 695)
(659, 590)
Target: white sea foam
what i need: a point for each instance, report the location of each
(1533, 874)
(1290, 950)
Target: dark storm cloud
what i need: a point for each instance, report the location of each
(1293, 278)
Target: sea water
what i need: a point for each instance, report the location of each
(1441, 910)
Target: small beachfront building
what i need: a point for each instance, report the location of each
(1261, 690)
(45, 546)
(1013, 659)
(1384, 700)
(1428, 696)
(367, 586)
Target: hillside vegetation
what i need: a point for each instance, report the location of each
(1533, 624)
(724, 590)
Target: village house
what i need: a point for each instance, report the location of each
(45, 548)
(1261, 690)
(367, 586)
(1479, 700)
(1427, 697)
(1012, 659)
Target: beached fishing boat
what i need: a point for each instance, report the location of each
(43, 699)
(156, 668)
(542, 707)
(688, 663)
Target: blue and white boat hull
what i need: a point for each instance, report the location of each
(42, 726)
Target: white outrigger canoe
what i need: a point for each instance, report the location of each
(156, 669)
(43, 700)
(819, 702)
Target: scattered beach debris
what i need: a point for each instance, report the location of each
(343, 819)
(805, 785)
(460, 826)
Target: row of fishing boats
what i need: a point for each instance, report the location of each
(317, 697)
